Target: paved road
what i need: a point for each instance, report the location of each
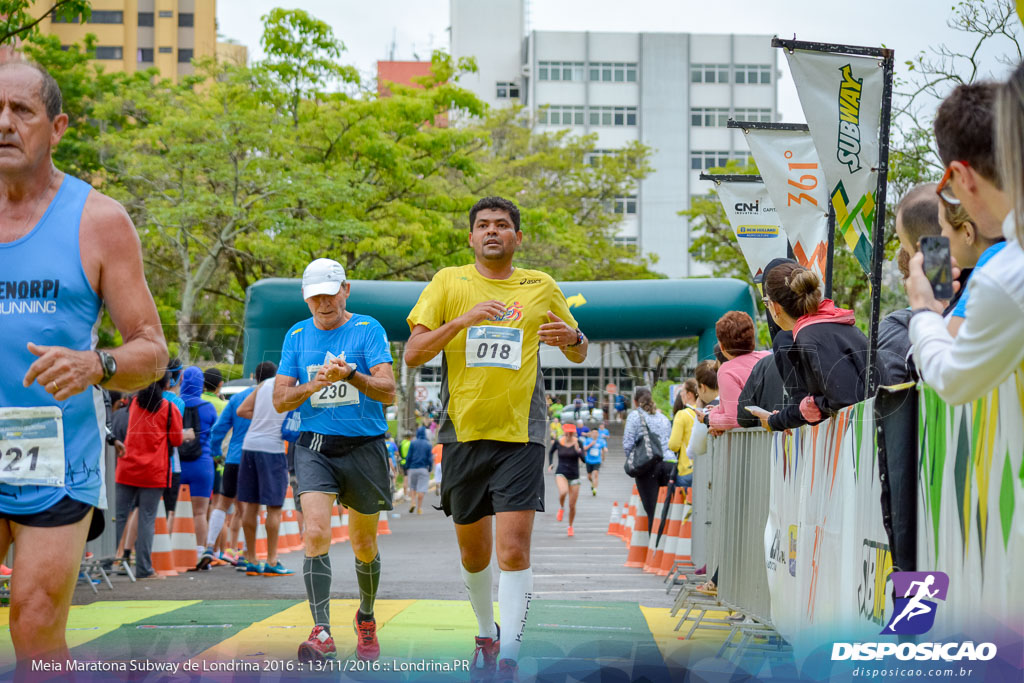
(420, 559)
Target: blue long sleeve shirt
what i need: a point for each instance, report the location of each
(238, 426)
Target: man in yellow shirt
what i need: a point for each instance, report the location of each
(490, 318)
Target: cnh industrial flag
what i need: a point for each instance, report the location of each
(796, 185)
(841, 96)
(754, 221)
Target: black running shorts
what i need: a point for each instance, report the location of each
(229, 481)
(355, 469)
(484, 477)
(62, 513)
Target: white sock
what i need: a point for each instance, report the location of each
(216, 524)
(200, 549)
(481, 597)
(515, 589)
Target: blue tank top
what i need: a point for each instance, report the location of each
(46, 298)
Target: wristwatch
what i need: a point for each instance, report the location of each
(579, 339)
(109, 365)
(349, 376)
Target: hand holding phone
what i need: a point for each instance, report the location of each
(938, 267)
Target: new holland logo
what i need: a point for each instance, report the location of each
(848, 144)
(757, 231)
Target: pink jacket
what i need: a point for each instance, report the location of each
(731, 377)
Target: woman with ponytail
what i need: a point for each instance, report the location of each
(661, 429)
(829, 353)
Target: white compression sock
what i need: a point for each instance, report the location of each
(216, 524)
(515, 589)
(481, 597)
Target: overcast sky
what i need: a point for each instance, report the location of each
(418, 26)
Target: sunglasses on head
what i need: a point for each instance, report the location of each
(944, 189)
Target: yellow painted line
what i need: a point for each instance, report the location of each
(673, 644)
(279, 636)
(88, 622)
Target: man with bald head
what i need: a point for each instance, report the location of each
(66, 251)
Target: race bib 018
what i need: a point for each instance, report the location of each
(490, 346)
(32, 446)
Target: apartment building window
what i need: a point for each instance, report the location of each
(166, 50)
(613, 116)
(613, 72)
(625, 205)
(145, 19)
(754, 74)
(186, 19)
(62, 20)
(592, 157)
(166, 14)
(709, 73)
(106, 17)
(507, 90)
(561, 115)
(184, 55)
(762, 115)
(709, 117)
(630, 242)
(109, 52)
(704, 160)
(145, 54)
(560, 71)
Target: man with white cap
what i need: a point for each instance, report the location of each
(336, 370)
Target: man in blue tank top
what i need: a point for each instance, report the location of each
(65, 251)
(336, 369)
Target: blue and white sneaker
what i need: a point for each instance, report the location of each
(276, 570)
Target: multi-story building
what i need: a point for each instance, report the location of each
(673, 92)
(139, 34)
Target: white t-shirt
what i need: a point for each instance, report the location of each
(265, 430)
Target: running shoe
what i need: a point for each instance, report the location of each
(367, 647)
(318, 647)
(205, 560)
(412, 509)
(702, 571)
(508, 672)
(419, 511)
(255, 569)
(5, 570)
(593, 490)
(242, 565)
(561, 513)
(277, 570)
(485, 658)
(570, 532)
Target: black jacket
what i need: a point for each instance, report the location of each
(894, 364)
(763, 389)
(829, 362)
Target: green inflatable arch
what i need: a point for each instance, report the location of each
(613, 310)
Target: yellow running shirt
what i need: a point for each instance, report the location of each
(491, 382)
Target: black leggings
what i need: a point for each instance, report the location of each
(647, 486)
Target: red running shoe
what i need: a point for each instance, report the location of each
(558, 517)
(367, 647)
(319, 646)
(508, 672)
(571, 532)
(5, 570)
(485, 658)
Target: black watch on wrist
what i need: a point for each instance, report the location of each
(350, 375)
(579, 339)
(109, 365)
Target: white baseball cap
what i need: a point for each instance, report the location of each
(322, 276)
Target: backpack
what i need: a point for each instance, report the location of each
(192, 450)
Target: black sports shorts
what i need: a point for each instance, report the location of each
(483, 477)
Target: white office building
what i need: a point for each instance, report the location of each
(673, 92)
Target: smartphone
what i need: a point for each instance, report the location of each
(937, 266)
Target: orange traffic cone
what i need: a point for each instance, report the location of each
(183, 535)
(656, 545)
(161, 555)
(614, 528)
(638, 540)
(261, 535)
(382, 524)
(339, 524)
(289, 538)
(675, 520)
(630, 517)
